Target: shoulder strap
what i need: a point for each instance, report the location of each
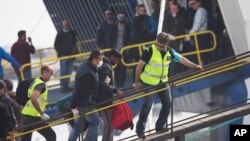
(150, 50)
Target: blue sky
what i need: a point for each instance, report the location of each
(25, 15)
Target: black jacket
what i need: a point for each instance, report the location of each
(86, 86)
(106, 90)
(105, 35)
(65, 43)
(7, 118)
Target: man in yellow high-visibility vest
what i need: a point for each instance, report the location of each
(33, 111)
(155, 60)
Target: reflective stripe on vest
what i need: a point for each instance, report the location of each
(156, 69)
(29, 108)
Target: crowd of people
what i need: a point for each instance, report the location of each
(94, 80)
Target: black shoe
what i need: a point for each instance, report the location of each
(141, 135)
(165, 129)
(211, 104)
(65, 90)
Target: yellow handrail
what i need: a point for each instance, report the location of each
(138, 46)
(39, 64)
(197, 51)
(220, 69)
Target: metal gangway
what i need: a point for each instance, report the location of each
(237, 66)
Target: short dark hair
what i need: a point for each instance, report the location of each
(162, 38)
(116, 53)
(45, 68)
(9, 84)
(94, 54)
(21, 33)
(2, 84)
(156, 1)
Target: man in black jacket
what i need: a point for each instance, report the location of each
(86, 94)
(105, 31)
(7, 118)
(65, 45)
(107, 91)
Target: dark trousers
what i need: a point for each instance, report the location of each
(48, 133)
(204, 43)
(146, 107)
(107, 125)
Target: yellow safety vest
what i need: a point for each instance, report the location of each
(28, 108)
(156, 70)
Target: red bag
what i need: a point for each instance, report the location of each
(122, 117)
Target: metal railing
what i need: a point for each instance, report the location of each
(226, 65)
(198, 51)
(83, 55)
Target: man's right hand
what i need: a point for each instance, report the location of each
(29, 40)
(137, 86)
(75, 112)
(45, 116)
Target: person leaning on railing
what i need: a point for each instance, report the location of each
(8, 57)
(155, 60)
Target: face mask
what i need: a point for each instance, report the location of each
(65, 30)
(100, 64)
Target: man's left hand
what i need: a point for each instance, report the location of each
(118, 92)
(198, 67)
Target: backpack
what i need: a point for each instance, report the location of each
(22, 92)
(122, 117)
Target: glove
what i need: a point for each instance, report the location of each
(107, 80)
(75, 112)
(45, 116)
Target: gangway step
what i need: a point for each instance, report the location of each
(199, 122)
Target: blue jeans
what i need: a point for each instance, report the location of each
(93, 121)
(66, 66)
(146, 107)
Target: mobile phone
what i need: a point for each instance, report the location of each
(29, 39)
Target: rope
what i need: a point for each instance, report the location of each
(38, 22)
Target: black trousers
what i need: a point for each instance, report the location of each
(48, 133)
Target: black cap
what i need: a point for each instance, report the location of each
(2, 84)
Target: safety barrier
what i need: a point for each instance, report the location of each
(81, 56)
(198, 51)
(85, 45)
(223, 66)
(40, 53)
